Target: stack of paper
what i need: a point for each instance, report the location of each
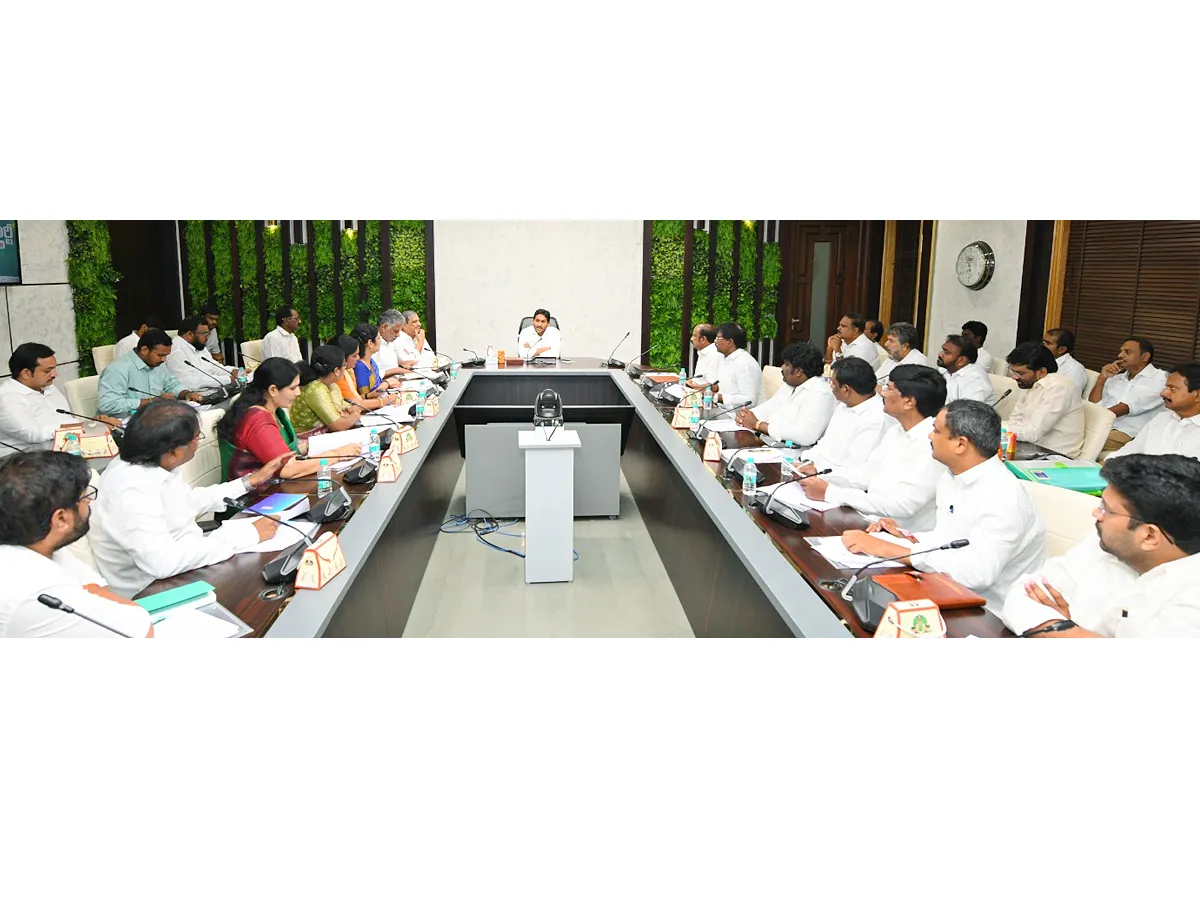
(188, 624)
(285, 537)
(835, 551)
(762, 455)
(792, 495)
(722, 425)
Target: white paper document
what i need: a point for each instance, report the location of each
(722, 425)
(386, 417)
(791, 494)
(327, 443)
(284, 538)
(762, 455)
(674, 390)
(190, 623)
(835, 551)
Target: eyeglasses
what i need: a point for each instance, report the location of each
(89, 493)
(1105, 512)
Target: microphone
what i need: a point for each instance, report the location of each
(1001, 397)
(11, 447)
(953, 545)
(360, 474)
(117, 433)
(771, 498)
(733, 407)
(220, 385)
(629, 365)
(869, 609)
(143, 393)
(55, 603)
(615, 363)
(287, 562)
(680, 400)
(475, 362)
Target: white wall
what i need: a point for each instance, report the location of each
(40, 309)
(489, 274)
(998, 304)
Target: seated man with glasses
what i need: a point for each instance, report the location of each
(1138, 577)
(46, 501)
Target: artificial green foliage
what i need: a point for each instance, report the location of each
(273, 272)
(298, 261)
(722, 302)
(93, 283)
(222, 274)
(666, 291)
(772, 269)
(352, 308)
(700, 281)
(197, 272)
(248, 279)
(322, 238)
(373, 272)
(408, 265)
(747, 258)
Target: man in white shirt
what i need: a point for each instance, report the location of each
(1049, 411)
(802, 407)
(129, 343)
(282, 341)
(145, 517)
(964, 379)
(29, 400)
(540, 339)
(1138, 577)
(1177, 428)
(739, 379)
(900, 477)
(192, 364)
(1132, 388)
(901, 346)
(978, 499)
(976, 333)
(851, 340)
(708, 357)
(1061, 344)
(46, 501)
(857, 425)
(212, 318)
(387, 357)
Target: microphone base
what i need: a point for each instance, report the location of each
(614, 363)
(472, 364)
(284, 566)
(869, 602)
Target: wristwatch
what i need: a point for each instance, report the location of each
(1060, 625)
(247, 484)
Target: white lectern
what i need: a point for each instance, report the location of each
(549, 504)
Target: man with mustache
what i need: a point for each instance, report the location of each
(1177, 428)
(1131, 386)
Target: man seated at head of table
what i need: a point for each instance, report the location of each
(802, 407)
(145, 516)
(320, 404)
(899, 479)
(1177, 428)
(964, 379)
(258, 430)
(1132, 388)
(139, 377)
(541, 339)
(29, 400)
(1049, 411)
(1137, 577)
(348, 385)
(739, 378)
(46, 499)
(129, 343)
(977, 332)
(192, 364)
(901, 345)
(858, 422)
(978, 499)
(708, 357)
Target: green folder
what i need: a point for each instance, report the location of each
(164, 601)
(1075, 476)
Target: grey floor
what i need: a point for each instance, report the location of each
(620, 589)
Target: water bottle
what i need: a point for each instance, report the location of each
(1003, 443)
(749, 476)
(787, 468)
(373, 451)
(682, 377)
(490, 357)
(324, 479)
(695, 420)
(72, 445)
(708, 399)
(242, 379)
(419, 416)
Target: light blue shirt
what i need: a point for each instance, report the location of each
(114, 397)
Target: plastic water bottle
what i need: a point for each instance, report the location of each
(373, 451)
(787, 468)
(695, 419)
(708, 399)
(419, 416)
(682, 377)
(1003, 443)
(72, 445)
(325, 479)
(749, 476)
(242, 379)
(490, 358)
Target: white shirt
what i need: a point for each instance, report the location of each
(208, 379)
(144, 525)
(27, 417)
(406, 350)
(799, 415)
(862, 347)
(551, 338)
(1106, 596)
(852, 434)
(984, 360)
(1141, 395)
(213, 344)
(988, 506)
(708, 364)
(913, 357)
(969, 383)
(740, 378)
(28, 573)
(1167, 432)
(385, 357)
(899, 479)
(126, 344)
(1073, 369)
(1050, 414)
(280, 342)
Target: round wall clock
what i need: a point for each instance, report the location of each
(976, 263)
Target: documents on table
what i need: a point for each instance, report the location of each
(760, 456)
(330, 441)
(722, 425)
(791, 494)
(835, 551)
(674, 390)
(385, 417)
(285, 537)
(191, 623)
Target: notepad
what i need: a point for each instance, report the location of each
(191, 624)
(281, 505)
(195, 594)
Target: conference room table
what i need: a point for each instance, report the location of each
(736, 573)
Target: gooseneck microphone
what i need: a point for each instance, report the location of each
(118, 434)
(55, 603)
(1001, 397)
(953, 545)
(360, 474)
(616, 363)
(286, 563)
(475, 362)
(222, 385)
(771, 498)
(11, 447)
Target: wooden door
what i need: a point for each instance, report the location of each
(825, 275)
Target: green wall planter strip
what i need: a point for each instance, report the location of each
(93, 283)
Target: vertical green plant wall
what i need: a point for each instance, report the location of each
(93, 283)
(666, 291)
(408, 265)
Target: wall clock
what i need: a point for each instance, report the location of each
(976, 263)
